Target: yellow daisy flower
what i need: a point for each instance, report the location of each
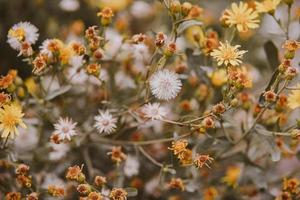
(241, 16)
(10, 117)
(294, 98)
(267, 6)
(227, 54)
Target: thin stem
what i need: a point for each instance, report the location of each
(137, 143)
(149, 157)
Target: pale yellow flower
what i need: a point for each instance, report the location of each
(267, 6)
(10, 117)
(232, 176)
(227, 54)
(218, 77)
(241, 16)
(294, 98)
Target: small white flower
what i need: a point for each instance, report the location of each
(131, 167)
(165, 84)
(22, 32)
(45, 48)
(154, 111)
(65, 128)
(141, 9)
(105, 122)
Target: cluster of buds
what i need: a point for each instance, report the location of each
(281, 103)
(290, 47)
(117, 155)
(185, 9)
(93, 69)
(185, 155)
(22, 176)
(56, 191)
(245, 100)
(39, 64)
(118, 194)
(238, 78)
(287, 70)
(4, 98)
(7, 82)
(93, 38)
(210, 42)
(176, 183)
(290, 189)
(218, 109)
(13, 196)
(180, 150)
(106, 15)
(75, 173)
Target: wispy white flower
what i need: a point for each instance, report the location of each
(154, 111)
(22, 32)
(131, 167)
(65, 128)
(105, 122)
(69, 5)
(49, 46)
(165, 84)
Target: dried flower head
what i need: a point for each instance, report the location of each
(203, 160)
(99, 181)
(56, 191)
(179, 146)
(176, 183)
(117, 155)
(118, 194)
(75, 173)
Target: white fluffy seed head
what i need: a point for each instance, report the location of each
(165, 84)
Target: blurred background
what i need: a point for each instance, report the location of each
(57, 18)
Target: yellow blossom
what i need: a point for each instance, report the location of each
(218, 77)
(232, 176)
(10, 117)
(227, 54)
(210, 193)
(267, 6)
(294, 98)
(241, 16)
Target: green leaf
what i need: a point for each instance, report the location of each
(132, 192)
(186, 24)
(58, 92)
(272, 54)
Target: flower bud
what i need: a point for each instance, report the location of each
(170, 49)
(270, 96)
(288, 2)
(186, 8)
(234, 102)
(289, 54)
(175, 7)
(84, 189)
(290, 73)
